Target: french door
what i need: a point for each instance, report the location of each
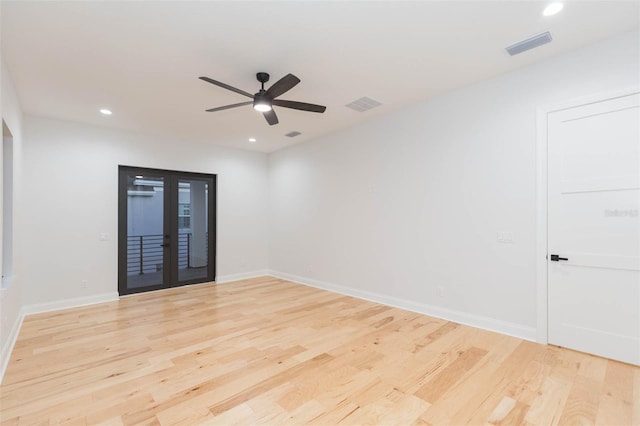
(166, 229)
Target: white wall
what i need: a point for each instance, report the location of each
(11, 297)
(407, 209)
(70, 196)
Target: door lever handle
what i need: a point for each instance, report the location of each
(164, 245)
(556, 258)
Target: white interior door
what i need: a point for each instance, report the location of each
(594, 223)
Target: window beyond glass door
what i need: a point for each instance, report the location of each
(193, 229)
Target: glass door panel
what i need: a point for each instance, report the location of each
(193, 229)
(145, 231)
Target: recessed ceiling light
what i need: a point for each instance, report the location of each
(105, 111)
(252, 140)
(139, 176)
(552, 9)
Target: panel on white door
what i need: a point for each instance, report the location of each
(594, 222)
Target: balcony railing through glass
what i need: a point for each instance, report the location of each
(145, 254)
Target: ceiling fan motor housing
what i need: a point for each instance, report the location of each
(262, 101)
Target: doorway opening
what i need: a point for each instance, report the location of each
(166, 229)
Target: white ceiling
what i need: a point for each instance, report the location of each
(142, 59)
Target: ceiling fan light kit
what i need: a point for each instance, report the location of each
(261, 104)
(264, 100)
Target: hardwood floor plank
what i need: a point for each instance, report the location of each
(616, 402)
(447, 378)
(547, 408)
(582, 405)
(307, 366)
(268, 351)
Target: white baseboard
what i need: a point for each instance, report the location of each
(10, 343)
(241, 276)
(70, 303)
(486, 323)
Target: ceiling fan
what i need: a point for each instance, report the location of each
(264, 100)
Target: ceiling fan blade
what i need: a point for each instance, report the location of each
(283, 85)
(271, 117)
(229, 106)
(226, 86)
(299, 105)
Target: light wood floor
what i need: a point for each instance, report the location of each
(270, 351)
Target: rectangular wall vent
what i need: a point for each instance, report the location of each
(293, 134)
(363, 104)
(530, 43)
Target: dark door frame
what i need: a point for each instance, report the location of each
(170, 227)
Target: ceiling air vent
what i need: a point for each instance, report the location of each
(293, 134)
(363, 104)
(530, 43)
